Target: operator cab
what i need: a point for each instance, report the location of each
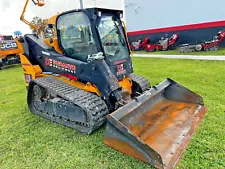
(6, 37)
(83, 33)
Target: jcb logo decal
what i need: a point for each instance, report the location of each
(7, 45)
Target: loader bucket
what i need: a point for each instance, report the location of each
(157, 126)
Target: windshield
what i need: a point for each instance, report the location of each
(113, 39)
(7, 37)
(76, 35)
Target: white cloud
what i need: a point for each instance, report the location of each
(5, 4)
(10, 11)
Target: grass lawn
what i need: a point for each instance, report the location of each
(29, 141)
(220, 52)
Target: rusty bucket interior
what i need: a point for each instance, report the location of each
(157, 126)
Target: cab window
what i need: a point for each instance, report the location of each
(113, 38)
(76, 35)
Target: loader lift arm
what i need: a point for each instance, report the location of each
(39, 3)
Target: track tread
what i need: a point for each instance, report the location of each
(142, 81)
(94, 106)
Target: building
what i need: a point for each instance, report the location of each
(192, 20)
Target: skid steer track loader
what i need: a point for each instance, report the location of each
(83, 77)
(9, 51)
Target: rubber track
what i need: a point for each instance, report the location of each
(142, 81)
(94, 106)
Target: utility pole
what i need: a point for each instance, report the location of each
(81, 4)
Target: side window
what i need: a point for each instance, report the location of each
(112, 38)
(49, 31)
(76, 35)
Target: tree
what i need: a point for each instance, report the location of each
(36, 21)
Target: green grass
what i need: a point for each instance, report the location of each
(220, 52)
(29, 141)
